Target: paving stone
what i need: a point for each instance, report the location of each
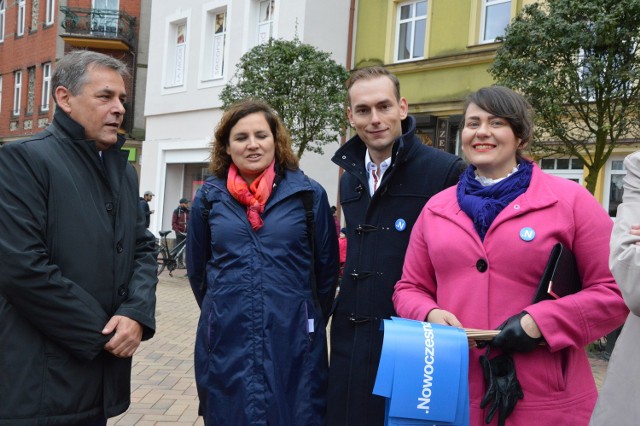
(163, 383)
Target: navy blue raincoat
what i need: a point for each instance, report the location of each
(261, 348)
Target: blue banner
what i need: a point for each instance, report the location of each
(423, 373)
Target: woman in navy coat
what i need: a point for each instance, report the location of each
(263, 285)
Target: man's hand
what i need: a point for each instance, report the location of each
(127, 337)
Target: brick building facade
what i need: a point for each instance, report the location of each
(34, 33)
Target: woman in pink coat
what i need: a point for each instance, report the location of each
(477, 253)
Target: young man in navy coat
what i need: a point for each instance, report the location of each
(389, 176)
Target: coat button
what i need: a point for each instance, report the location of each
(108, 206)
(122, 291)
(481, 265)
(119, 248)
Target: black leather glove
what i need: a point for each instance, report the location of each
(503, 388)
(513, 338)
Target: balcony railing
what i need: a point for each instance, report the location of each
(100, 24)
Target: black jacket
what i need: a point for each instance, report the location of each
(378, 230)
(144, 205)
(74, 251)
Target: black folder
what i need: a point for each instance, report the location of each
(560, 277)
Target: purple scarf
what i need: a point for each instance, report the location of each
(483, 203)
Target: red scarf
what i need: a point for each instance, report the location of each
(253, 196)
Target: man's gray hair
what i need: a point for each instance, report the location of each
(71, 70)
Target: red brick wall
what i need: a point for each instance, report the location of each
(32, 50)
(19, 53)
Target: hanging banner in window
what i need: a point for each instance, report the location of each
(423, 373)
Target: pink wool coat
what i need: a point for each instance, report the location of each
(447, 266)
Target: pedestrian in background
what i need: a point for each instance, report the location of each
(179, 224)
(263, 276)
(144, 205)
(77, 288)
(477, 254)
(389, 176)
(618, 400)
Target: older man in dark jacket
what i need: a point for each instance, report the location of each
(389, 176)
(77, 289)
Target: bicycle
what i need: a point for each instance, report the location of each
(168, 258)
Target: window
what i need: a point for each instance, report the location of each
(50, 12)
(45, 99)
(31, 89)
(613, 187)
(220, 31)
(265, 20)
(496, 15)
(21, 17)
(177, 54)
(35, 15)
(104, 19)
(3, 9)
(214, 42)
(181, 46)
(411, 30)
(568, 168)
(17, 92)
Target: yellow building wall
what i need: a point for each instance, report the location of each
(454, 65)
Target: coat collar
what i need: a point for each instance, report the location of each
(114, 160)
(539, 195)
(350, 156)
(65, 127)
(287, 183)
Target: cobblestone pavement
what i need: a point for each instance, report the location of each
(163, 389)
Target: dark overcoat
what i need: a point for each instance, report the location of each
(378, 230)
(74, 251)
(261, 347)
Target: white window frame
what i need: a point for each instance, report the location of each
(486, 5)
(570, 173)
(214, 49)
(176, 54)
(31, 91)
(3, 14)
(609, 172)
(180, 57)
(17, 92)
(50, 14)
(411, 22)
(266, 25)
(22, 8)
(45, 99)
(105, 25)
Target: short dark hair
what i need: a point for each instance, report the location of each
(221, 161)
(505, 103)
(71, 70)
(369, 74)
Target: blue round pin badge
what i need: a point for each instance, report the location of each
(401, 225)
(527, 234)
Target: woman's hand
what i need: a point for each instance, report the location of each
(519, 333)
(635, 231)
(530, 327)
(440, 316)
